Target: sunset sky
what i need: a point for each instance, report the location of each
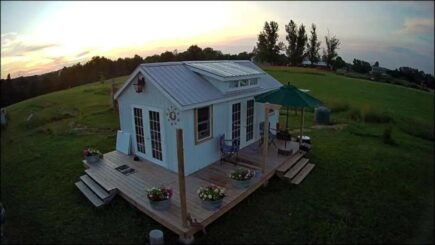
(37, 37)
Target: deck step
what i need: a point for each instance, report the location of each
(290, 162)
(296, 168)
(89, 194)
(302, 174)
(94, 187)
(103, 184)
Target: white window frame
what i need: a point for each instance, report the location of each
(210, 121)
(253, 121)
(250, 83)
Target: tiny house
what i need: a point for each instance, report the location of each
(205, 98)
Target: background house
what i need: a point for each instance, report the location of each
(377, 70)
(320, 64)
(205, 98)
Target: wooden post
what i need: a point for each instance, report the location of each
(181, 179)
(266, 135)
(114, 103)
(302, 126)
(112, 93)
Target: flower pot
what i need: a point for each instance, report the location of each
(211, 205)
(92, 158)
(160, 205)
(241, 184)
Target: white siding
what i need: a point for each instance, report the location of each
(150, 97)
(197, 156)
(203, 154)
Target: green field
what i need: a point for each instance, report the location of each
(361, 191)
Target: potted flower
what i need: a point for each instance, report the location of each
(241, 177)
(160, 197)
(211, 196)
(92, 155)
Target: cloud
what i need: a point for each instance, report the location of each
(14, 45)
(83, 54)
(406, 52)
(8, 37)
(418, 26)
(28, 66)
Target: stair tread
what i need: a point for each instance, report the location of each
(103, 184)
(89, 194)
(289, 163)
(296, 168)
(303, 173)
(95, 187)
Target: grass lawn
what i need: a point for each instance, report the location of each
(361, 190)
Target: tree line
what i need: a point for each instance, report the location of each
(98, 68)
(412, 75)
(297, 48)
(300, 47)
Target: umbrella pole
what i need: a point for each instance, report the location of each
(286, 127)
(302, 126)
(286, 121)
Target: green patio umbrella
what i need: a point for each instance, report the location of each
(289, 96)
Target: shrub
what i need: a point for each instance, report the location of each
(370, 115)
(387, 136)
(416, 128)
(374, 116)
(412, 85)
(355, 114)
(338, 106)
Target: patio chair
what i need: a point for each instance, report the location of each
(272, 136)
(228, 150)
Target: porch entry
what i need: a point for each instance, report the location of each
(242, 122)
(148, 134)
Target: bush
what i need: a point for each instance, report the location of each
(416, 128)
(412, 85)
(387, 137)
(374, 116)
(355, 114)
(338, 106)
(370, 115)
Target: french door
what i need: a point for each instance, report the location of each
(148, 134)
(242, 122)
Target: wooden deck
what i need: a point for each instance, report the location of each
(133, 187)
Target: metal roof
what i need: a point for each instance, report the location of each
(224, 69)
(185, 86)
(190, 89)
